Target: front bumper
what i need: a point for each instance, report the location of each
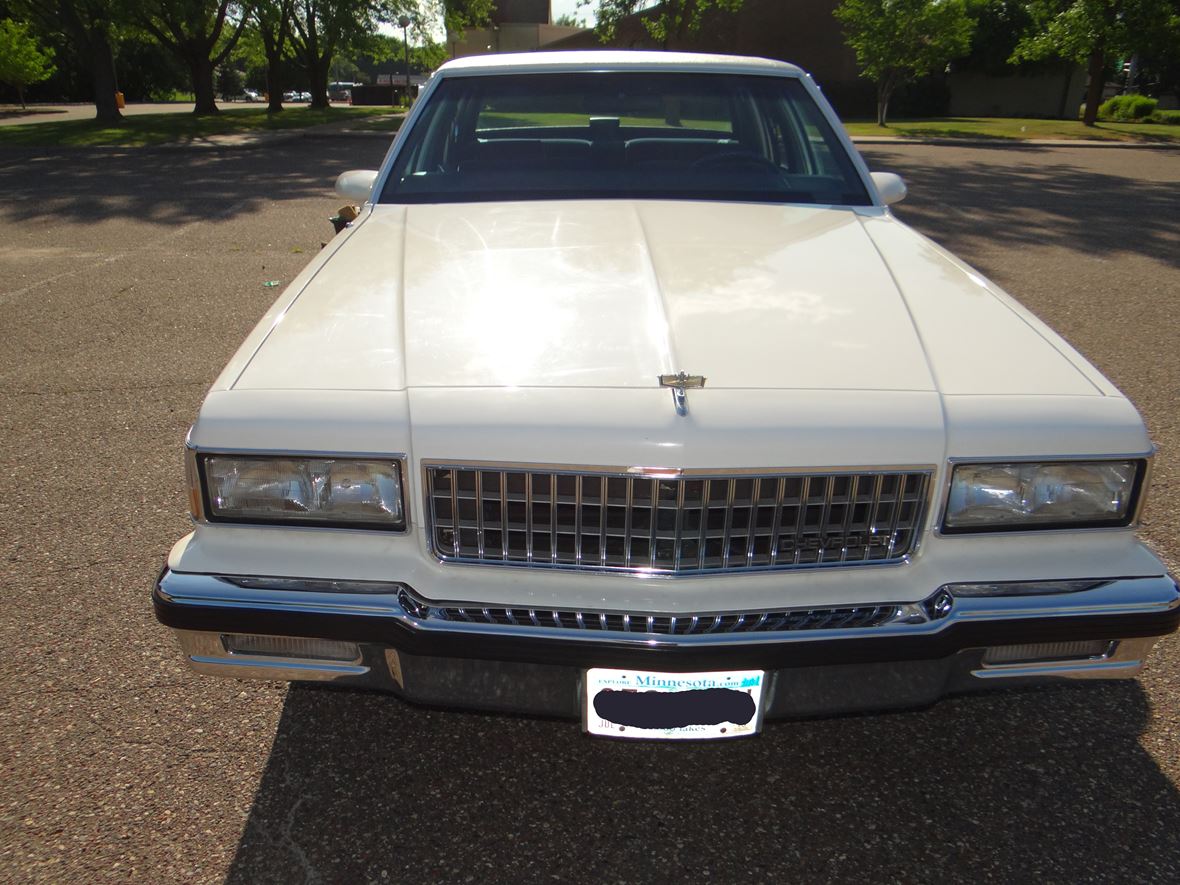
(383, 636)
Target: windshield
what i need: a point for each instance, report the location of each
(627, 134)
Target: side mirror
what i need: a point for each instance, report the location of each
(356, 185)
(890, 186)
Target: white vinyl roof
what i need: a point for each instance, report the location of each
(599, 60)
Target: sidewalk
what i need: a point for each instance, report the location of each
(1014, 142)
(262, 138)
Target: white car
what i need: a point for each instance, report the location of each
(626, 398)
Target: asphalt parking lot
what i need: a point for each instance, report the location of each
(128, 277)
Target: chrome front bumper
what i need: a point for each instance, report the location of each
(382, 636)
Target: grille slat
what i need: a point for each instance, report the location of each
(479, 536)
(678, 525)
(678, 625)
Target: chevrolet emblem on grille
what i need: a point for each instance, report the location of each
(680, 384)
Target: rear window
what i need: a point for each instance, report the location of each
(623, 135)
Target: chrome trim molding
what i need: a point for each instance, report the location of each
(803, 691)
(207, 653)
(941, 609)
(635, 520)
(1122, 659)
(784, 621)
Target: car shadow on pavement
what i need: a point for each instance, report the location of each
(1051, 784)
(1009, 195)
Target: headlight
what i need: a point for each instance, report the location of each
(1067, 494)
(332, 492)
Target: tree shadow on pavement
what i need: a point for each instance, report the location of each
(1030, 195)
(172, 186)
(1043, 785)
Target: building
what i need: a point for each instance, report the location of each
(516, 26)
(803, 32)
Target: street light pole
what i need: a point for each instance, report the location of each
(404, 21)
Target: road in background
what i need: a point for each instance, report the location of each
(11, 115)
(127, 279)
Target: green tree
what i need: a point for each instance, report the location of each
(999, 26)
(344, 70)
(1094, 33)
(323, 28)
(569, 20)
(201, 33)
(900, 40)
(272, 27)
(22, 60)
(427, 57)
(459, 15)
(664, 19)
(230, 82)
(89, 27)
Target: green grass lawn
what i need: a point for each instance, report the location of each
(153, 129)
(150, 129)
(1016, 128)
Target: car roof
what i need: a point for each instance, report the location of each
(611, 60)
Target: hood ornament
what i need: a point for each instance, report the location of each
(680, 383)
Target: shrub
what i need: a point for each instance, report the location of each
(1126, 107)
(1170, 117)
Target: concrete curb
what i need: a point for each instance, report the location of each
(253, 140)
(1015, 142)
(248, 140)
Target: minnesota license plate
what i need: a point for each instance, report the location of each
(673, 706)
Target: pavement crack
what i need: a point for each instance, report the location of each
(311, 876)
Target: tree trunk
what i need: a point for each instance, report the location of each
(20, 94)
(317, 72)
(1094, 90)
(201, 69)
(884, 93)
(102, 69)
(274, 84)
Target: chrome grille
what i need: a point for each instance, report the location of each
(683, 625)
(679, 525)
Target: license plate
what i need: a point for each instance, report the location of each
(673, 706)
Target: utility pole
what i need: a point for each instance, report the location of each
(404, 21)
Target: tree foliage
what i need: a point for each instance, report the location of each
(230, 82)
(89, 26)
(1094, 33)
(459, 15)
(665, 19)
(899, 40)
(201, 33)
(999, 27)
(323, 28)
(22, 60)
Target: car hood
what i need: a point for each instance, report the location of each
(612, 294)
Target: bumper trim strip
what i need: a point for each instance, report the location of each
(1120, 609)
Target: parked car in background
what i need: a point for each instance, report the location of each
(341, 90)
(626, 398)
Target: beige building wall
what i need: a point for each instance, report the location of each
(507, 38)
(975, 94)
